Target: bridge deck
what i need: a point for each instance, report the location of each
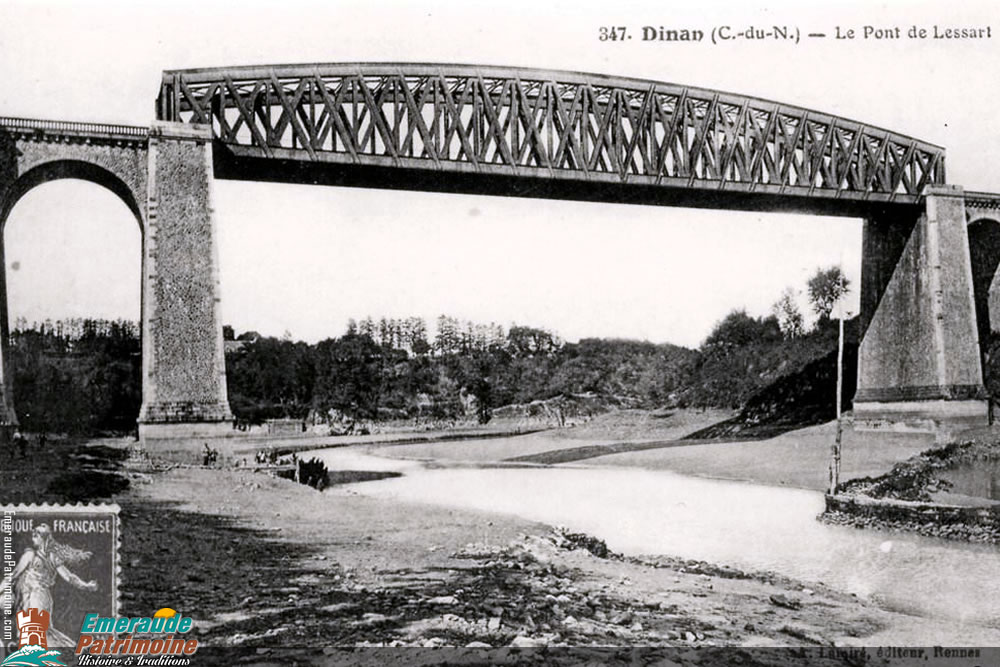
(84, 131)
(461, 121)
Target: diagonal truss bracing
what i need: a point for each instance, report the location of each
(533, 123)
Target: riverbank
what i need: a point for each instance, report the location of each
(611, 431)
(268, 567)
(948, 492)
(274, 571)
(239, 449)
(797, 459)
(320, 569)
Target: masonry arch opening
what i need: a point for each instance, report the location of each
(984, 253)
(72, 249)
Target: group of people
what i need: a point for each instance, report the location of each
(312, 472)
(266, 457)
(209, 456)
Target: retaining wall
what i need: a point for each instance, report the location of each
(973, 524)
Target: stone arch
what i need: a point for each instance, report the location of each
(984, 256)
(984, 253)
(77, 169)
(40, 174)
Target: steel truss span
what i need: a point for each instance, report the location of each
(525, 123)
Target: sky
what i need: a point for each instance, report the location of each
(304, 259)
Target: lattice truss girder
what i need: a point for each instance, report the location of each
(522, 124)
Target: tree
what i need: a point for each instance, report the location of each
(415, 335)
(526, 342)
(367, 328)
(385, 335)
(82, 381)
(737, 329)
(448, 338)
(348, 376)
(270, 378)
(789, 316)
(825, 289)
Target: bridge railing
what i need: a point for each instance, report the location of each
(982, 199)
(539, 123)
(89, 129)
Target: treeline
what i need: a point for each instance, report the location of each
(76, 376)
(392, 370)
(746, 356)
(83, 376)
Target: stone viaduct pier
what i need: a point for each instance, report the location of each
(527, 133)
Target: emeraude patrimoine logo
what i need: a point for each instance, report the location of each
(158, 635)
(33, 648)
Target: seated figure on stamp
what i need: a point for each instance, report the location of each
(35, 574)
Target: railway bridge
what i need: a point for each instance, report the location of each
(524, 133)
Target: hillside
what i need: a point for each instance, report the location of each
(804, 397)
(468, 372)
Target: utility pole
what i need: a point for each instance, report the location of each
(835, 462)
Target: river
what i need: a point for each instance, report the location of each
(745, 525)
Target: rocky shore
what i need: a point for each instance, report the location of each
(916, 496)
(338, 569)
(277, 573)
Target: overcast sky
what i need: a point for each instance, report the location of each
(304, 259)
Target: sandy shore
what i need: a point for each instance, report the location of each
(798, 459)
(266, 566)
(263, 562)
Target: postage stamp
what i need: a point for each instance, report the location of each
(62, 562)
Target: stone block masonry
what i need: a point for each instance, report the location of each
(972, 524)
(918, 364)
(184, 373)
